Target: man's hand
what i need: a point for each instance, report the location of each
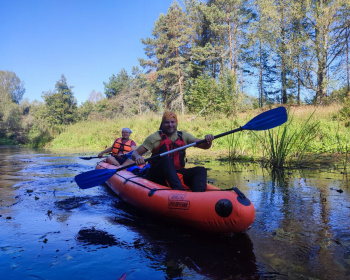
(137, 155)
(140, 160)
(208, 141)
(209, 138)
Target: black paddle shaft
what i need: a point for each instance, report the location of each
(220, 135)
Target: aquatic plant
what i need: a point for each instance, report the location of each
(288, 142)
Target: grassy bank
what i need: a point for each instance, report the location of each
(331, 136)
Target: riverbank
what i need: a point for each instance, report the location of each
(330, 136)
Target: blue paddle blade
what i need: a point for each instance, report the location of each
(93, 178)
(267, 120)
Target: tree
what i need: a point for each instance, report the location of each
(208, 95)
(60, 105)
(168, 54)
(154, 50)
(230, 18)
(143, 93)
(215, 38)
(322, 35)
(11, 92)
(117, 83)
(11, 86)
(202, 95)
(223, 35)
(196, 56)
(85, 109)
(276, 27)
(94, 97)
(10, 116)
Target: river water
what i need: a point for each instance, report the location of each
(51, 229)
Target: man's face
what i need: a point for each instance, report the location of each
(125, 134)
(169, 126)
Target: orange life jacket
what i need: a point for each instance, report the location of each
(120, 147)
(167, 145)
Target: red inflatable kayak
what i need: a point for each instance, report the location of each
(213, 210)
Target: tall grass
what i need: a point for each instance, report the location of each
(289, 142)
(93, 136)
(309, 131)
(343, 148)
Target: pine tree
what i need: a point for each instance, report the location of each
(275, 24)
(117, 83)
(168, 51)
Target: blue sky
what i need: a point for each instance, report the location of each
(86, 40)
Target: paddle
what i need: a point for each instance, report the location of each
(88, 158)
(263, 121)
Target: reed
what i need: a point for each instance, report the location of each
(288, 143)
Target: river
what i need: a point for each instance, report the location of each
(51, 229)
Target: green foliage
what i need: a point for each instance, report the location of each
(11, 86)
(200, 95)
(7, 141)
(117, 83)
(10, 125)
(60, 105)
(209, 96)
(97, 135)
(38, 137)
(344, 113)
(168, 55)
(237, 144)
(339, 95)
(11, 92)
(203, 56)
(85, 110)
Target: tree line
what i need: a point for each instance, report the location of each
(204, 57)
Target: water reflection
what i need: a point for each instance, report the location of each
(50, 229)
(279, 177)
(178, 251)
(297, 214)
(93, 236)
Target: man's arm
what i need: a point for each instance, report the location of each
(137, 155)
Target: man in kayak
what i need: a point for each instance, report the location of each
(121, 148)
(165, 170)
